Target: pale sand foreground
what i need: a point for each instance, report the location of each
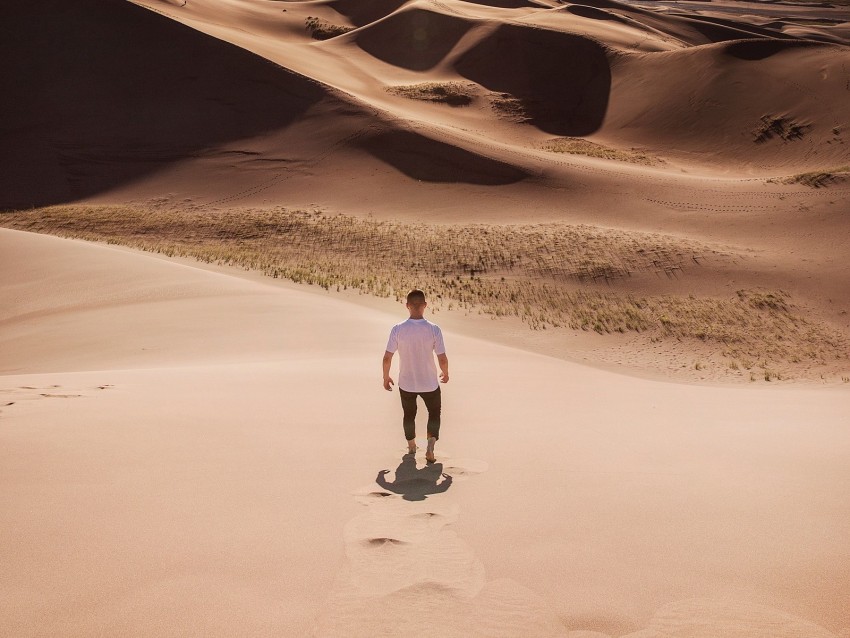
(211, 469)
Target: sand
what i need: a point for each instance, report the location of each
(191, 449)
(192, 452)
(739, 111)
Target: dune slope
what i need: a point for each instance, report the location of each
(225, 475)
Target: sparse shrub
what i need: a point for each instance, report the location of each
(509, 106)
(579, 146)
(320, 29)
(785, 128)
(451, 93)
(818, 179)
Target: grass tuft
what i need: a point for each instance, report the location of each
(451, 93)
(818, 179)
(579, 146)
(323, 30)
(782, 127)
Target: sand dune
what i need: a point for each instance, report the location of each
(413, 37)
(174, 118)
(201, 450)
(188, 483)
(170, 95)
(787, 115)
(737, 145)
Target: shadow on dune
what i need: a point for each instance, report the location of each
(593, 13)
(363, 12)
(414, 39)
(721, 29)
(98, 94)
(428, 160)
(563, 81)
(413, 483)
(505, 4)
(762, 49)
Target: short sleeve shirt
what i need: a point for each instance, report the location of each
(417, 341)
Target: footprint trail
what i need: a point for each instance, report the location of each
(407, 570)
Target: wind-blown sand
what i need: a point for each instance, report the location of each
(188, 452)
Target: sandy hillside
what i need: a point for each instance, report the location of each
(185, 451)
(713, 132)
(632, 223)
(174, 109)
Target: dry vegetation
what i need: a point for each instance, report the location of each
(451, 93)
(579, 146)
(783, 127)
(545, 274)
(508, 106)
(818, 179)
(323, 30)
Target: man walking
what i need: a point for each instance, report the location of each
(417, 340)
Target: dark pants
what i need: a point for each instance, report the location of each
(433, 403)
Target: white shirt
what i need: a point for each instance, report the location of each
(417, 341)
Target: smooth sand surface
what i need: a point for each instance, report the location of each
(190, 453)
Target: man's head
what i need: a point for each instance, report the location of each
(416, 303)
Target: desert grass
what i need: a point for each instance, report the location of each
(509, 107)
(451, 93)
(323, 30)
(549, 275)
(579, 146)
(783, 127)
(818, 179)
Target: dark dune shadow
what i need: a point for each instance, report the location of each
(613, 4)
(413, 483)
(563, 81)
(97, 94)
(505, 4)
(363, 12)
(593, 13)
(422, 158)
(761, 49)
(722, 29)
(414, 39)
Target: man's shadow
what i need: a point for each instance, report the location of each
(415, 484)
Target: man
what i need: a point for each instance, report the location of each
(417, 340)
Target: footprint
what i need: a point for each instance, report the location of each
(405, 562)
(382, 541)
(463, 468)
(368, 495)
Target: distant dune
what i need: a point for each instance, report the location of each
(113, 101)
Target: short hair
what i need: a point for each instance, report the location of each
(415, 295)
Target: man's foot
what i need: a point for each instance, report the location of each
(411, 447)
(429, 452)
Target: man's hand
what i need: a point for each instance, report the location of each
(443, 360)
(387, 362)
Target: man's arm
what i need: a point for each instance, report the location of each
(388, 381)
(443, 360)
